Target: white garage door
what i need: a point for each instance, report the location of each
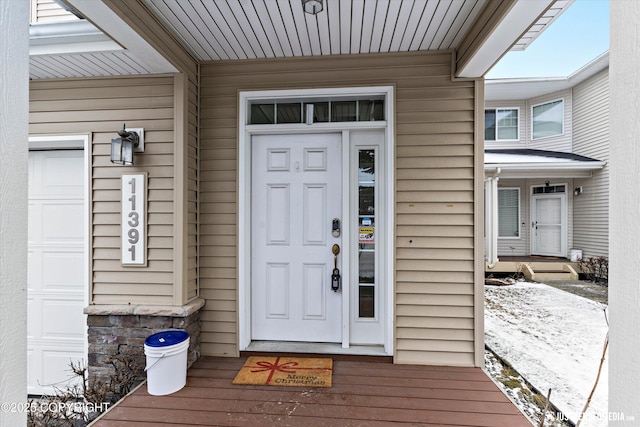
(56, 326)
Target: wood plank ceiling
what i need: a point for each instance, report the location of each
(249, 29)
(219, 30)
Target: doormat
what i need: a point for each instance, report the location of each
(286, 371)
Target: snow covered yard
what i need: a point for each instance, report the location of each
(555, 340)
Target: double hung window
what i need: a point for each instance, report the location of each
(509, 212)
(501, 124)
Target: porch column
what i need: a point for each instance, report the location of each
(14, 134)
(624, 213)
(491, 220)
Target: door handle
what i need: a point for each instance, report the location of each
(336, 280)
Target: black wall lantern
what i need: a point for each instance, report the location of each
(122, 148)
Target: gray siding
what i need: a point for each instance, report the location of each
(554, 143)
(591, 138)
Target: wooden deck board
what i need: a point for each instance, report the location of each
(363, 394)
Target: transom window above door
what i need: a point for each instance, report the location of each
(316, 111)
(501, 124)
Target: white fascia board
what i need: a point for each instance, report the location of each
(546, 166)
(59, 38)
(541, 170)
(516, 22)
(110, 23)
(531, 87)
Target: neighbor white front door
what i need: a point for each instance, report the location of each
(56, 325)
(548, 225)
(296, 195)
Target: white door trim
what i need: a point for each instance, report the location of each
(245, 133)
(564, 226)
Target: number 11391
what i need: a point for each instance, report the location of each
(134, 195)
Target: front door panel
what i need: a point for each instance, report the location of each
(547, 225)
(296, 195)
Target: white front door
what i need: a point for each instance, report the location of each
(548, 225)
(56, 325)
(296, 195)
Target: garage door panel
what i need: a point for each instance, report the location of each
(60, 172)
(31, 370)
(57, 369)
(34, 273)
(56, 324)
(60, 222)
(34, 324)
(66, 327)
(64, 271)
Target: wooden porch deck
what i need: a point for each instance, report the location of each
(364, 393)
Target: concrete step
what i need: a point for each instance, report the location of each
(557, 271)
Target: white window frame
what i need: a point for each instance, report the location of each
(562, 122)
(496, 109)
(519, 236)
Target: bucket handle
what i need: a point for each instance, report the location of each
(155, 363)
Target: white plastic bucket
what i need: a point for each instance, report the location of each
(166, 361)
(575, 255)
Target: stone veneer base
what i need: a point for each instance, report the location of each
(122, 329)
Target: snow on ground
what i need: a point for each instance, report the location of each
(555, 340)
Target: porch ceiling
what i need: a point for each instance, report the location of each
(219, 30)
(229, 29)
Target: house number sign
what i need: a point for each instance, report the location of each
(134, 219)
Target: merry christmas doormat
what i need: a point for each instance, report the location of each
(286, 371)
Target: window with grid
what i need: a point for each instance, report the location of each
(508, 212)
(501, 124)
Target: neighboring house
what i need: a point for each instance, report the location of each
(271, 135)
(546, 165)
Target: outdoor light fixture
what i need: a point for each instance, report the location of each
(122, 148)
(312, 7)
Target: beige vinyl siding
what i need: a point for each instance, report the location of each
(137, 15)
(553, 143)
(192, 290)
(47, 11)
(434, 194)
(100, 107)
(523, 125)
(591, 138)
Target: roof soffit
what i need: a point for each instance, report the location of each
(212, 30)
(487, 44)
